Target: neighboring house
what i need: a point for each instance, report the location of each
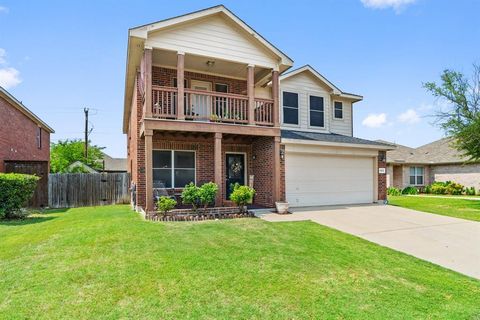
(436, 161)
(117, 165)
(207, 98)
(80, 167)
(24, 144)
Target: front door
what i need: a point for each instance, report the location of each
(235, 167)
(200, 104)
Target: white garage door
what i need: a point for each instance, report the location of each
(313, 179)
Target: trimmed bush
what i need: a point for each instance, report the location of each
(410, 190)
(448, 187)
(207, 194)
(470, 191)
(15, 191)
(392, 191)
(165, 204)
(242, 195)
(199, 196)
(191, 195)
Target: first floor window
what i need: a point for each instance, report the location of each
(338, 110)
(416, 176)
(316, 112)
(173, 169)
(290, 107)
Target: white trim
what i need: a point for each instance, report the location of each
(333, 111)
(334, 144)
(172, 159)
(198, 71)
(245, 158)
(324, 97)
(291, 125)
(415, 175)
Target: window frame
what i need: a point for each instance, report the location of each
(343, 110)
(38, 137)
(221, 84)
(416, 175)
(324, 110)
(172, 169)
(298, 109)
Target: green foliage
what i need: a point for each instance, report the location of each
(165, 204)
(207, 193)
(454, 188)
(410, 190)
(65, 152)
(448, 187)
(470, 191)
(191, 196)
(15, 190)
(392, 191)
(242, 195)
(462, 119)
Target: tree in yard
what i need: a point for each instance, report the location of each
(462, 120)
(65, 152)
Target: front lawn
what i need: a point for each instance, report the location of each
(453, 207)
(105, 262)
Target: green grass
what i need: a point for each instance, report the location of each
(453, 207)
(107, 263)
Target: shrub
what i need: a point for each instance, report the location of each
(454, 188)
(207, 193)
(428, 189)
(242, 195)
(165, 204)
(410, 190)
(470, 191)
(15, 190)
(191, 195)
(392, 191)
(438, 188)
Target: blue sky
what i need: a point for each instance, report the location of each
(60, 56)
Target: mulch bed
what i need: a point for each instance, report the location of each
(210, 214)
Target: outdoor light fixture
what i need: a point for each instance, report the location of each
(210, 63)
(381, 157)
(254, 157)
(282, 154)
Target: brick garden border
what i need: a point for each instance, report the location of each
(210, 214)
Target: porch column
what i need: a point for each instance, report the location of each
(147, 56)
(181, 85)
(276, 169)
(276, 98)
(148, 170)
(217, 167)
(251, 93)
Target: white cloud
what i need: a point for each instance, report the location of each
(9, 77)
(3, 9)
(3, 55)
(375, 120)
(409, 117)
(397, 5)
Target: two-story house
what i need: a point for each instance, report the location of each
(207, 98)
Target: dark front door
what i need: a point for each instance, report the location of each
(235, 164)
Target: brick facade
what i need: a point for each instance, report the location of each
(164, 77)
(18, 137)
(382, 177)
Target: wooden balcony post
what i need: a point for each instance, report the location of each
(217, 167)
(276, 98)
(180, 85)
(149, 170)
(147, 56)
(276, 169)
(251, 93)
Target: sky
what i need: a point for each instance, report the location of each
(61, 56)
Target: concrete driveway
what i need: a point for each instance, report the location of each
(450, 242)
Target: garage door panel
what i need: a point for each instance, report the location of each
(324, 180)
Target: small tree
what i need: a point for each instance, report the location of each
(15, 190)
(462, 120)
(65, 152)
(165, 204)
(207, 193)
(191, 195)
(241, 196)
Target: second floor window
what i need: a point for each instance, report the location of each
(317, 118)
(173, 169)
(290, 107)
(416, 176)
(39, 138)
(338, 110)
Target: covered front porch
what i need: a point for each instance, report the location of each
(176, 158)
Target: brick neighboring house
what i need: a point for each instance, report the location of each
(207, 98)
(436, 161)
(24, 144)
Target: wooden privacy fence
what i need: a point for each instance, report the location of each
(70, 190)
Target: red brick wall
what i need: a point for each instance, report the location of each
(382, 178)
(18, 137)
(164, 77)
(282, 175)
(263, 148)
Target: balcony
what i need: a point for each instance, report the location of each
(208, 106)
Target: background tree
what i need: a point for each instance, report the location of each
(462, 119)
(65, 152)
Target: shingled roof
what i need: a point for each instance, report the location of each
(438, 152)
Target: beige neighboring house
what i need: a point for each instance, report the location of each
(114, 164)
(436, 161)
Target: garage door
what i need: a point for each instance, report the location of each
(313, 179)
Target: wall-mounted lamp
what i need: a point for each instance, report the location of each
(210, 63)
(254, 157)
(381, 157)
(282, 154)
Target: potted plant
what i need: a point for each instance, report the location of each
(282, 207)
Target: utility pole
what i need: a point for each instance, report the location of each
(86, 132)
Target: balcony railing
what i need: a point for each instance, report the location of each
(210, 106)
